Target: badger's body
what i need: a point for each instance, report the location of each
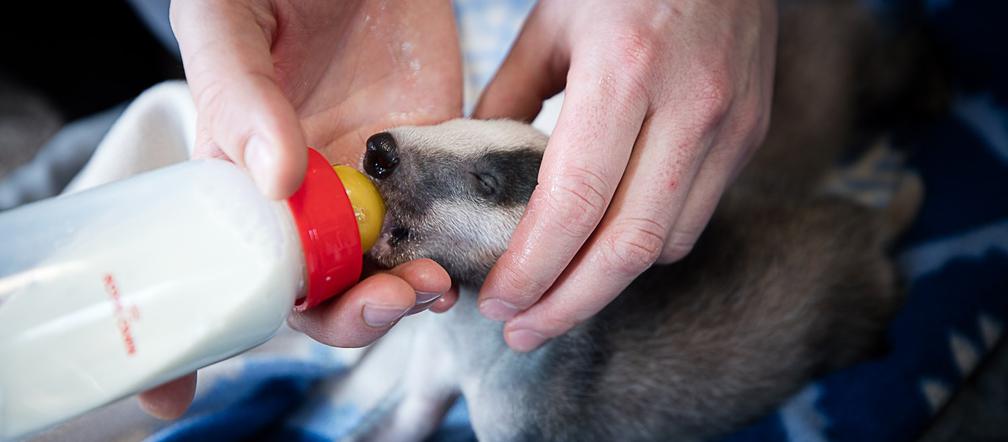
(785, 282)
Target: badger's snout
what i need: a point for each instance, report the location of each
(382, 155)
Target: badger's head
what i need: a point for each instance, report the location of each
(454, 191)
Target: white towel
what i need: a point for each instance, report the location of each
(156, 130)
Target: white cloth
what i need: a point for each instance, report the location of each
(157, 129)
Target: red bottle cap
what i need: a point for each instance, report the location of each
(329, 235)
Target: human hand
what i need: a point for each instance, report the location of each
(665, 101)
(270, 77)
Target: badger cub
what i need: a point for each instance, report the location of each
(785, 282)
(772, 294)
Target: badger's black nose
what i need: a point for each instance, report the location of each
(381, 157)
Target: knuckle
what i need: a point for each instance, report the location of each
(636, 54)
(714, 96)
(211, 107)
(523, 287)
(635, 245)
(579, 199)
(637, 49)
(678, 246)
(209, 98)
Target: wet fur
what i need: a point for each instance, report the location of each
(785, 283)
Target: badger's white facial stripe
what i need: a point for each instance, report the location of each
(463, 236)
(470, 137)
(469, 225)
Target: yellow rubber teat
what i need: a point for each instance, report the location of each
(368, 206)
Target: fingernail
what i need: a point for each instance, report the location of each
(421, 306)
(497, 309)
(382, 316)
(525, 340)
(260, 163)
(425, 297)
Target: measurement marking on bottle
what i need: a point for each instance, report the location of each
(123, 317)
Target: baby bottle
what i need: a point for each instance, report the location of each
(117, 289)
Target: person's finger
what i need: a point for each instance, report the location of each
(629, 239)
(718, 170)
(731, 149)
(428, 279)
(205, 146)
(359, 316)
(446, 301)
(169, 400)
(532, 72)
(384, 302)
(581, 169)
(225, 49)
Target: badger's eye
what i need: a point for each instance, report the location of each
(486, 184)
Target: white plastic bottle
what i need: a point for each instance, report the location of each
(118, 289)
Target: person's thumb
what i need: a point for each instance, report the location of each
(533, 71)
(226, 52)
